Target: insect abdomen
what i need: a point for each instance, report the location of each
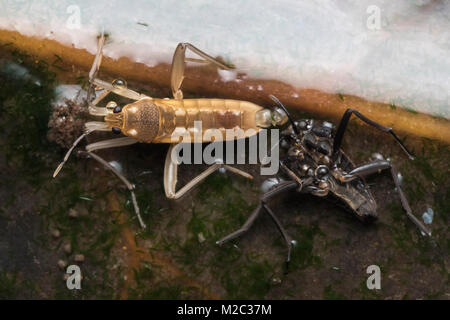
(178, 116)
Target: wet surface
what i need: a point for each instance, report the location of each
(176, 257)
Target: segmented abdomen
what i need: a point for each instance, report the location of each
(179, 116)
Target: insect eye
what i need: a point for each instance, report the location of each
(321, 171)
(116, 130)
(111, 105)
(117, 109)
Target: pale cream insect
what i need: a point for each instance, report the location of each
(152, 120)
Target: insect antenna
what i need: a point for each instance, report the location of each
(294, 127)
(66, 157)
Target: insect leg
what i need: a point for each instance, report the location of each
(343, 125)
(110, 143)
(283, 232)
(121, 90)
(237, 171)
(377, 166)
(68, 153)
(179, 64)
(171, 174)
(124, 180)
(281, 187)
(90, 127)
(97, 126)
(93, 109)
(103, 88)
(242, 229)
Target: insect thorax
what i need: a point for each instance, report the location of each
(310, 158)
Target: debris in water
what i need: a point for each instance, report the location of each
(276, 280)
(201, 237)
(69, 113)
(79, 258)
(62, 264)
(428, 216)
(55, 233)
(67, 248)
(73, 213)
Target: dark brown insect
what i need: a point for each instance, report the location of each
(316, 164)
